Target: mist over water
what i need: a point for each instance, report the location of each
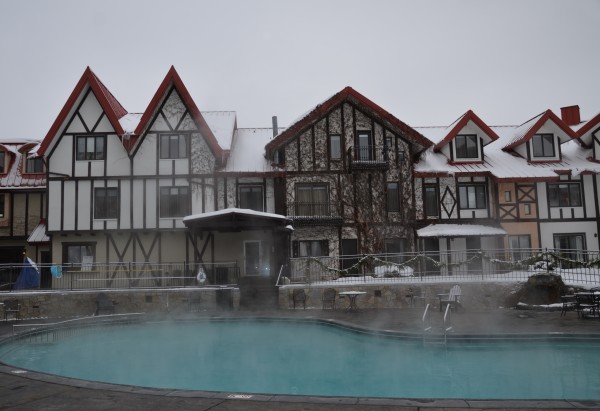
(281, 357)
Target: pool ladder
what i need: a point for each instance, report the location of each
(436, 336)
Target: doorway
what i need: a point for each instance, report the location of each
(252, 257)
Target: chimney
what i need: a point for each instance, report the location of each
(570, 115)
(275, 128)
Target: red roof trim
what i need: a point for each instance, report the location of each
(548, 115)
(112, 108)
(590, 124)
(469, 115)
(172, 78)
(323, 108)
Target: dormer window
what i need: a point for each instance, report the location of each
(543, 145)
(34, 165)
(466, 146)
(2, 162)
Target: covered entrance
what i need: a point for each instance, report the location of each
(255, 243)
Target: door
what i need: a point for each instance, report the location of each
(473, 246)
(364, 146)
(252, 257)
(431, 246)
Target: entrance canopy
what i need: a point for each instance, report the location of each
(236, 219)
(459, 230)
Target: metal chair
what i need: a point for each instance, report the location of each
(329, 296)
(12, 307)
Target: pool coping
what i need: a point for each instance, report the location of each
(420, 403)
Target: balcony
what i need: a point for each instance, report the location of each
(368, 158)
(304, 213)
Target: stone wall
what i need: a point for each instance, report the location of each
(73, 304)
(475, 296)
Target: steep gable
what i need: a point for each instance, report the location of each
(527, 130)
(455, 128)
(88, 84)
(170, 93)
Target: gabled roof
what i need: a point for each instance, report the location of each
(172, 79)
(588, 125)
(111, 106)
(460, 123)
(14, 177)
(527, 130)
(322, 109)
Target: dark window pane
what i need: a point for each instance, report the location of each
(2, 160)
(543, 145)
(431, 202)
(251, 197)
(393, 197)
(335, 147)
(174, 202)
(564, 195)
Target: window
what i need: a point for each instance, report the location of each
(472, 197)
(251, 197)
(395, 247)
(527, 208)
(174, 202)
(431, 201)
(91, 148)
(364, 151)
(312, 199)
(2, 204)
(311, 248)
(520, 246)
(564, 195)
(393, 197)
(80, 254)
(335, 147)
(2, 161)
(106, 202)
(34, 165)
(507, 196)
(173, 146)
(543, 145)
(570, 246)
(466, 146)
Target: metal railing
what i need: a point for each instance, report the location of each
(574, 266)
(360, 157)
(123, 275)
(306, 211)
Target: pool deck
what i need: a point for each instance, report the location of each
(34, 391)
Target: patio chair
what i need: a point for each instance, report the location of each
(329, 296)
(415, 294)
(12, 307)
(104, 305)
(452, 298)
(585, 304)
(299, 296)
(568, 304)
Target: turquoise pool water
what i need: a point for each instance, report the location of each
(280, 357)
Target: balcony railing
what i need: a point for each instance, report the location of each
(368, 157)
(314, 213)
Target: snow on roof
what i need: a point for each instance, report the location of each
(227, 211)
(222, 124)
(14, 176)
(459, 230)
(248, 151)
(130, 121)
(520, 131)
(506, 165)
(38, 235)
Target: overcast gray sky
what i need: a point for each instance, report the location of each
(425, 61)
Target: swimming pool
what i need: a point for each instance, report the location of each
(309, 358)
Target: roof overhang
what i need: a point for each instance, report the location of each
(236, 219)
(460, 230)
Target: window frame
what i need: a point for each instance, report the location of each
(557, 201)
(313, 211)
(169, 155)
(392, 208)
(339, 147)
(34, 161)
(3, 206)
(322, 244)
(90, 156)
(462, 153)
(251, 186)
(65, 255)
(476, 187)
(426, 199)
(3, 157)
(182, 201)
(519, 253)
(540, 139)
(109, 208)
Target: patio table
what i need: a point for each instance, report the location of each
(352, 295)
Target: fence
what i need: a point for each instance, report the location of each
(124, 275)
(576, 267)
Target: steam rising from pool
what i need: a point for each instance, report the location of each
(283, 357)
